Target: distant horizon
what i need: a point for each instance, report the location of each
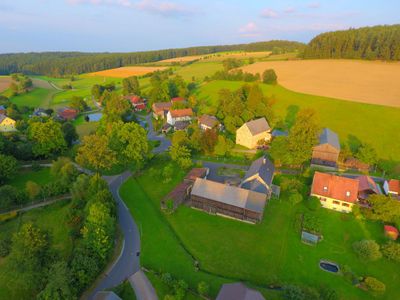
(122, 26)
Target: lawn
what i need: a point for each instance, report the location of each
(38, 97)
(24, 175)
(52, 219)
(199, 70)
(268, 253)
(374, 124)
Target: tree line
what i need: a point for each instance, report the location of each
(377, 42)
(67, 63)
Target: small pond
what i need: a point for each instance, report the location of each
(329, 266)
(94, 117)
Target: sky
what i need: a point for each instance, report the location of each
(137, 25)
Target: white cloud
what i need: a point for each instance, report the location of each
(249, 30)
(314, 5)
(269, 13)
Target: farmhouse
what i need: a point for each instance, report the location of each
(367, 186)
(231, 201)
(179, 115)
(326, 153)
(392, 188)
(67, 113)
(160, 109)
(6, 124)
(335, 192)
(259, 177)
(137, 102)
(238, 291)
(252, 132)
(207, 122)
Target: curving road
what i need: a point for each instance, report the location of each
(128, 262)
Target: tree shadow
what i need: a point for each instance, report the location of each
(291, 113)
(353, 142)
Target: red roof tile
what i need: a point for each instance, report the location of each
(185, 112)
(335, 187)
(366, 183)
(394, 186)
(178, 99)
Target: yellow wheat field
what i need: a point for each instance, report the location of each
(124, 72)
(372, 82)
(218, 56)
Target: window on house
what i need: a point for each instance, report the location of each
(336, 202)
(325, 188)
(345, 204)
(322, 199)
(347, 194)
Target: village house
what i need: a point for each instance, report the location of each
(160, 109)
(179, 115)
(229, 201)
(7, 124)
(238, 291)
(67, 114)
(207, 122)
(259, 177)
(137, 102)
(253, 132)
(40, 112)
(326, 153)
(367, 186)
(335, 192)
(392, 188)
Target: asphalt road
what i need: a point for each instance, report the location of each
(128, 263)
(152, 136)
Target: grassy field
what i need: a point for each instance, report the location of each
(199, 70)
(373, 82)
(375, 124)
(38, 97)
(24, 175)
(270, 252)
(52, 219)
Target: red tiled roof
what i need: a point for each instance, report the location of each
(394, 185)
(140, 106)
(178, 99)
(185, 112)
(134, 99)
(68, 113)
(335, 187)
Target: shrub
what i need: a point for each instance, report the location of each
(374, 285)
(367, 250)
(295, 198)
(203, 288)
(35, 166)
(269, 76)
(5, 247)
(329, 294)
(391, 251)
(167, 278)
(311, 223)
(292, 292)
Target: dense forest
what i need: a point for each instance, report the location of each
(377, 42)
(67, 63)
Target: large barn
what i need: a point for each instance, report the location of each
(231, 201)
(326, 153)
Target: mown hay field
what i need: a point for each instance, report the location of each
(4, 83)
(373, 82)
(124, 72)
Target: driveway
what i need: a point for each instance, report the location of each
(152, 136)
(214, 166)
(128, 262)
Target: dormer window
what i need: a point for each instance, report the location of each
(325, 188)
(348, 194)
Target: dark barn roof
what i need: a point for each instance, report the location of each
(329, 137)
(264, 169)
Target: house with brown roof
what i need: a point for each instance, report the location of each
(252, 132)
(238, 291)
(335, 192)
(226, 200)
(207, 122)
(67, 113)
(326, 153)
(179, 115)
(392, 188)
(160, 109)
(366, 187)
(137, 102)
